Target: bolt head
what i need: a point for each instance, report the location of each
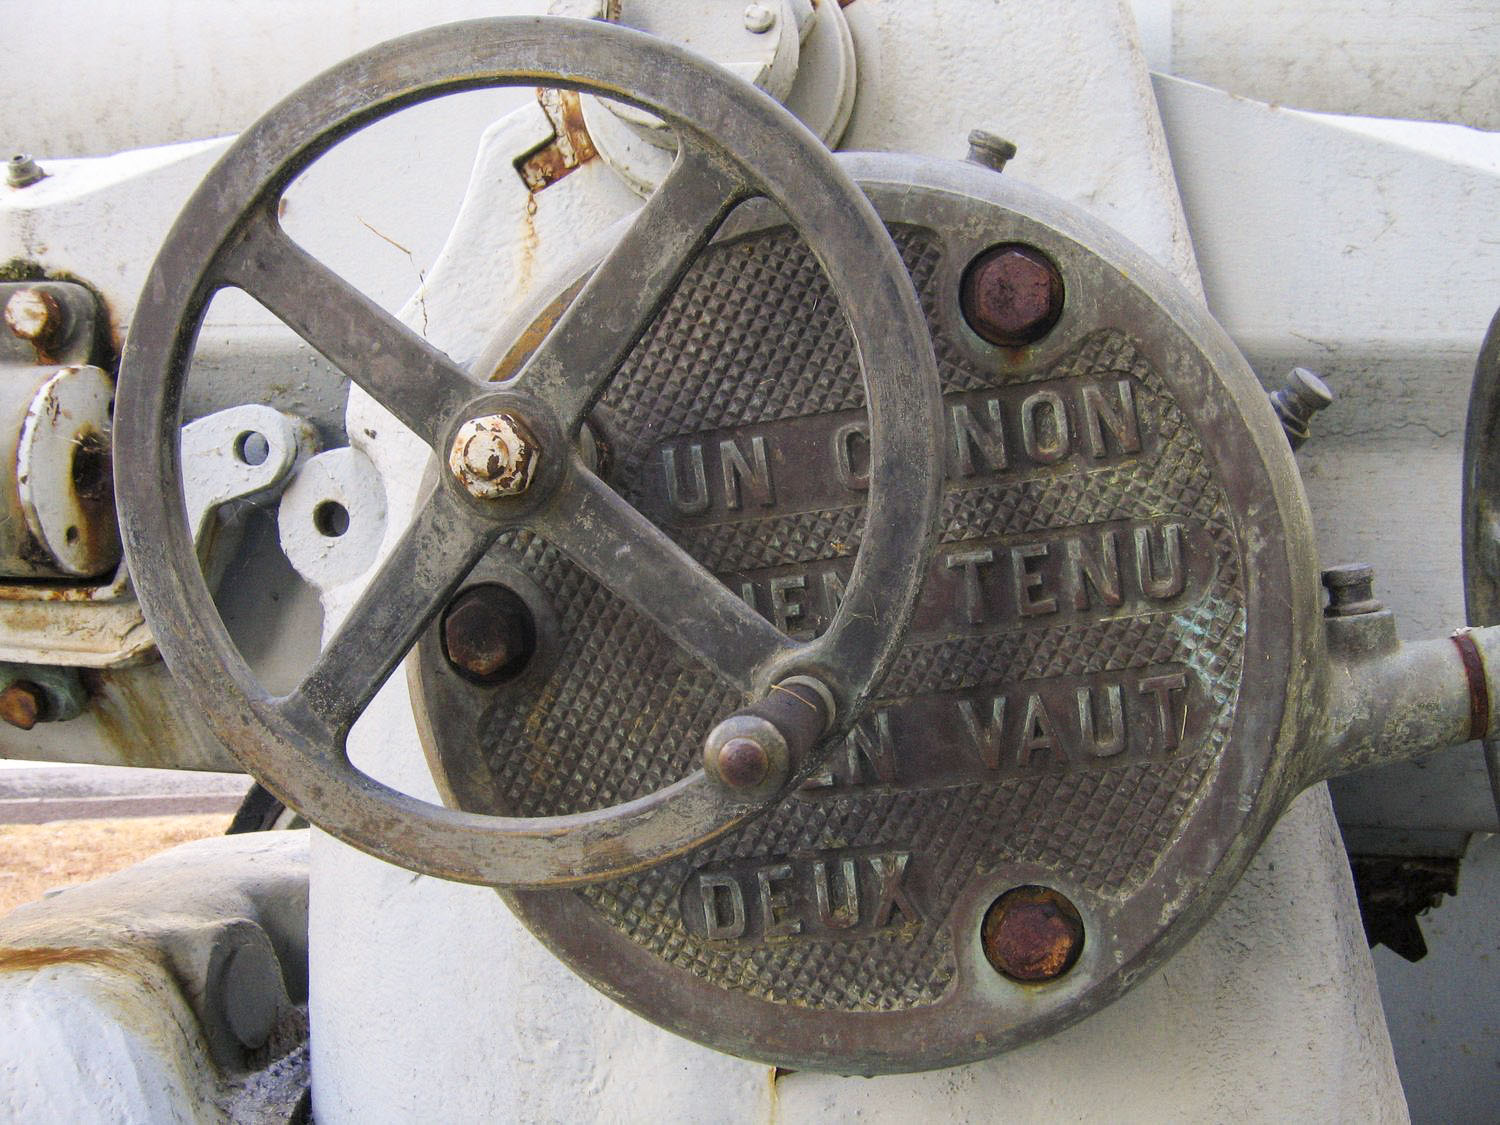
(1012, 295)
(743, 763)
(22, 704)
(488, 633)
(494, 456)
(22, 171)
(34, 315)
(759, 19)
(1032, 934)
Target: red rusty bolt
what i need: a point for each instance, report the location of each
(743, 763)
(1032, 934)
(23, 704)
(488, 634)
(1011, 295)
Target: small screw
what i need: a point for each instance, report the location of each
(990, 151)
(1032, 934)
(1011, 295)
(759, 19)
(1303, 396)
(488, 633)
(34, 315)
(23, 704)
(1351, 590)
(22, 171)
(494, 456)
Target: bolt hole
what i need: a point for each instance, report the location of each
(71, 535)
(331, 519)
(90, 469)
(252, 448)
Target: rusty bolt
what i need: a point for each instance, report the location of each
(1351, 590)
(22, 171)
(34, 315)
(1011, 295)
(1032, 934)
(743, 763)
(494, 456)
(488, 633)
(22, 704)
(989, 151)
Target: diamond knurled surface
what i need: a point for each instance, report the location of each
(754, 335)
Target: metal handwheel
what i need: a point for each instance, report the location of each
(508, 455)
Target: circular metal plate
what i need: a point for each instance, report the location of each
(1092, 699)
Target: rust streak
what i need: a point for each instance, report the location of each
(27, 959)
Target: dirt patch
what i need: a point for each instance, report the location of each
(36, 858)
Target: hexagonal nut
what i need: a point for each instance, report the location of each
(494, 456)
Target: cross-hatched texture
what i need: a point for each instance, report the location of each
(754, 336)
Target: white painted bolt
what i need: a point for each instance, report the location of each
(33, 314)
(759, 18)
(493, 456)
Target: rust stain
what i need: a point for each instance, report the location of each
(25, 959)
(570, 146)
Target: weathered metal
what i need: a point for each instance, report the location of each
(1110, 489)
(1351, 590)
(22, 704)
(1032, 934)
(229, 235)
(1303, 396)
(22, 171)
(1012, 295)
(1063, 715)
(488, 633)
(494, 456)
(1481, 510)
(56, 494)
(989, 151)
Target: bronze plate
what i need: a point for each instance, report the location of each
(1092, 698)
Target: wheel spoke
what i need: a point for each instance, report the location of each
(580, 355)
(404, 373)
(437, 552)
(632, 557)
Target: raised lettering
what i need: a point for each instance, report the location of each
(971, 561)
(773, 902)
(986, 739)
(1162, 688)
(714, 922)
(1101, 571)
(783, 608)
(889, 870)
(1038, 733)
(848, 913)
(1167, 580)
(1026, 580)
(1049, 442)
(738, 472)
(879, 754)
(689, 504)
(851, 455)
(1123, 423)
(1088, 731)
(969, 434)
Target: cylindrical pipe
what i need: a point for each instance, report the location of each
(1409, 701)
